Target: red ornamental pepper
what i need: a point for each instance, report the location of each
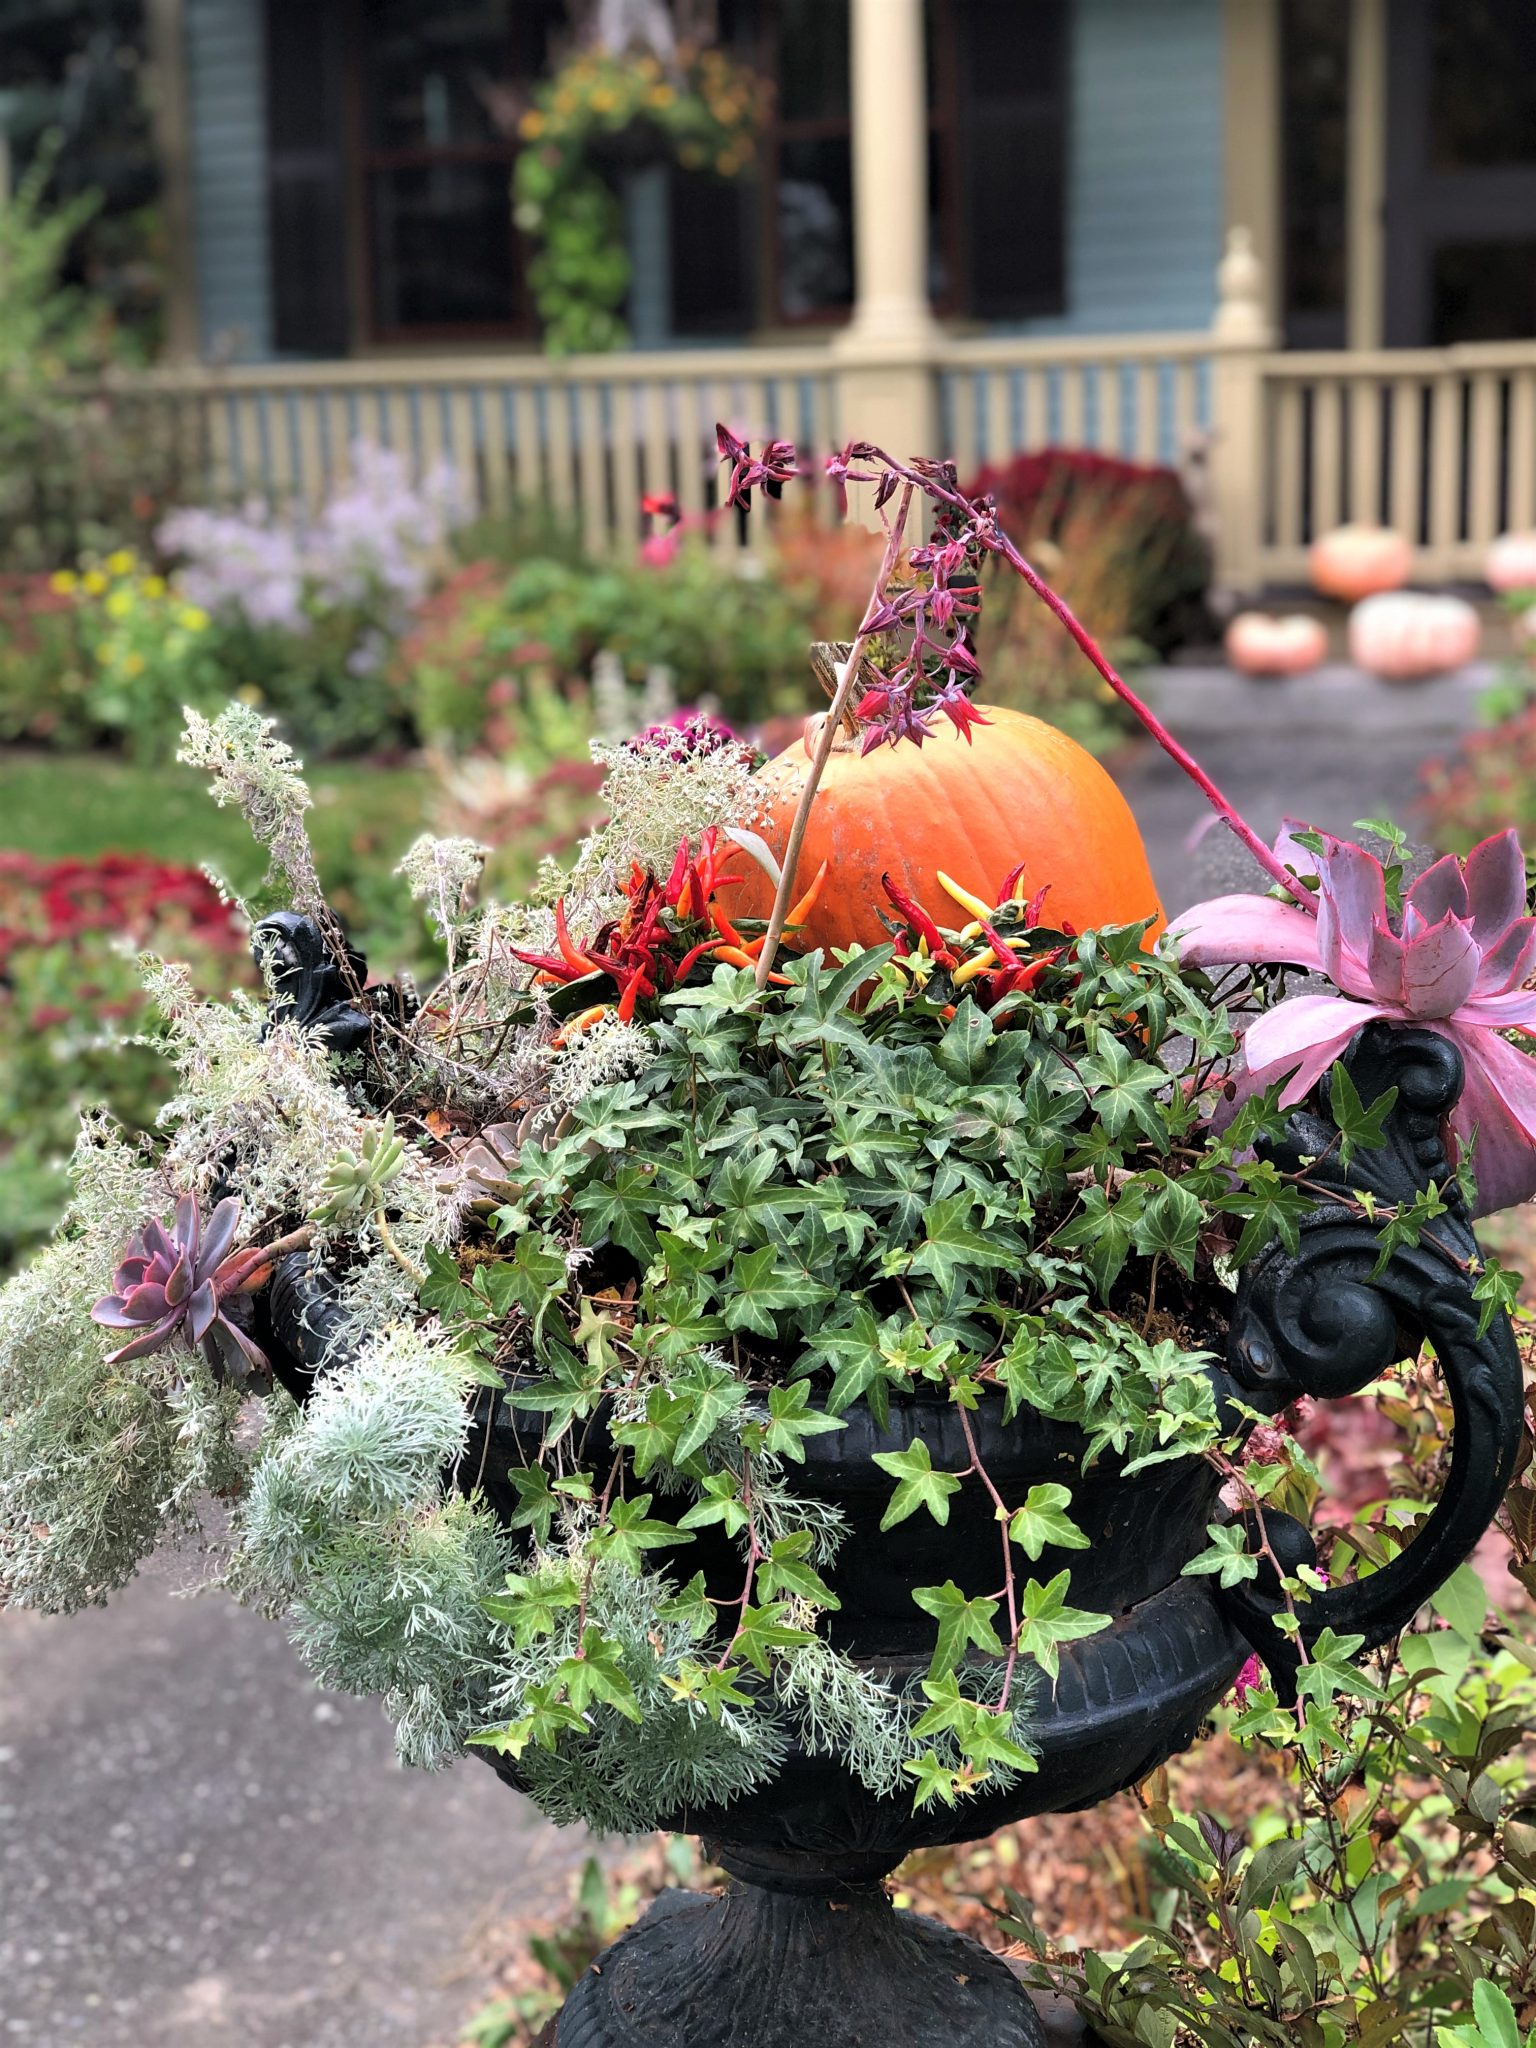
(919, 920)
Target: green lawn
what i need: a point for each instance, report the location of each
(364, 817)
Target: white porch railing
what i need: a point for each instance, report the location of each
(1438, 443)
(589, 436)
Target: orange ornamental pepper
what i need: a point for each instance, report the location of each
(579, 1024)
(568, 952)
(807, 903)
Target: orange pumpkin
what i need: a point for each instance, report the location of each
(1019, 791)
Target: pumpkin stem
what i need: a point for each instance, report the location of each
(827, 658)
(846, 672)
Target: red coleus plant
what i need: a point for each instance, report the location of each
(47, 903)
(664, 931)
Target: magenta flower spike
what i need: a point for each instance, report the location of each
(1455, 962)
(184, 1281)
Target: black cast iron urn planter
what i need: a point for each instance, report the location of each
(803, 1948)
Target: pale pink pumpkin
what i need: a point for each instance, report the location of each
(1258, 645)
(1510, 564)
(1405, 634)
(1357, 561)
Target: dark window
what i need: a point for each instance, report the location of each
(1482, 291)
(1004, 143)
(1314, 91)
(1482, 92)
(997, 97)
(307, 180)
(439, 85)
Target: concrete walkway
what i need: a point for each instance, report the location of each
(199, 1850)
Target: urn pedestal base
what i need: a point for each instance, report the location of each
(761, 1968)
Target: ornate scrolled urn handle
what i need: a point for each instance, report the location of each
(1321, 1321)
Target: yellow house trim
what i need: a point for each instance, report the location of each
(1251, 64)
(1366, 186)
(165, 34)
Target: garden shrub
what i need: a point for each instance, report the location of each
(78, 468)
(731, 634)
(1120, 544)
(74, 1015)
(45, 677)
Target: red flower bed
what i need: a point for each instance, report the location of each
(48, 903)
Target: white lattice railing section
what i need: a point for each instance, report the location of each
(1144, 397)
(587, 436)
(1438, 443)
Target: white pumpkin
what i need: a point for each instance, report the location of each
(1511, 563)
(1356, 561)
(1404, 634)
(1258, 645)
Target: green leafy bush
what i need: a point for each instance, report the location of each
(734, 638)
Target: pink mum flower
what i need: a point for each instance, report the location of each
(1455, 962)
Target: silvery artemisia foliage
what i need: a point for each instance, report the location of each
(343, 1522)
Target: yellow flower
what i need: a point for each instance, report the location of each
(133, 665)
(193, 617)
(119, 604)
(603, 101)
(249, 694)
(122, 562)
(94, 582)
(63, 581)
(152, 586)
(661, 95)
(531, 127)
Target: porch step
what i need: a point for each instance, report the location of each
(1336, 699)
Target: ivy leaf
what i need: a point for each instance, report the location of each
(1358, 1127)
(920, 1486)
(528, 1607)
(707, 1395)
(934, 1780)
(764, 1630)
(689, 1608)
(790, 1421)
(1102, 1231)
(1042, 1523)
(597, 1673)
(1046, 1621)
(1170, 1225)
(962, 1623)
(950, 1245)
(620, 1205)
(757, 1290)
(444, 1291)
(1125, 1091)
(1229, 1555)
(626, 1532)
(536, 1502)
(720, 1502)
(786, 1570)
(1328, 1670)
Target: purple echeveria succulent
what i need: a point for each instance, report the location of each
(186, 1279)
(1455, 961)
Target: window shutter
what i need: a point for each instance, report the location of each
(306, 169)
(1013, 141)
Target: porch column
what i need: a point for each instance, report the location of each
(887, 377)
(1251, 34)
(165, 34)
(1366, 177)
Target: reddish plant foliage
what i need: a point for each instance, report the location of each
(47, 903)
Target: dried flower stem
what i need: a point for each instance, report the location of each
(387, 1239)
(784, 895)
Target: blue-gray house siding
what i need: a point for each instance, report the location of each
(1144, 184)
(227, 94)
